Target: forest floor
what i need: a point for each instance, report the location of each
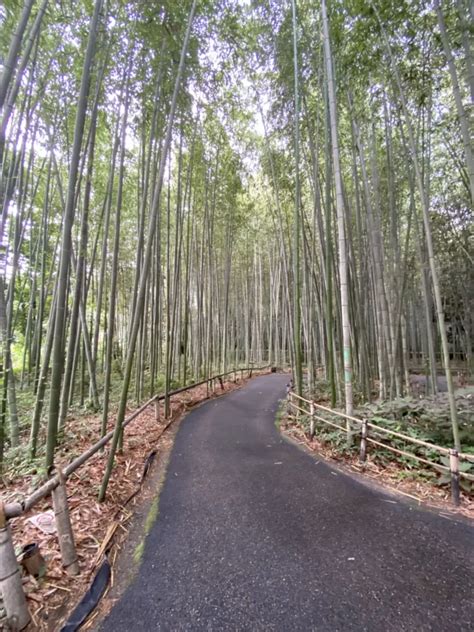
(96, 525)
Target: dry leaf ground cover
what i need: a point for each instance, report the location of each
(52, 597)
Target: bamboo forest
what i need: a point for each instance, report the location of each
(251, 219)
(192, 187)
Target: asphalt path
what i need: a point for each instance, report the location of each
(255, 534)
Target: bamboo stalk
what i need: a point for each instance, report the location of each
(11, 587)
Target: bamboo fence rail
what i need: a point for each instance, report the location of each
(455, 457)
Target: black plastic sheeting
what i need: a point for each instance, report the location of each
(90, 599)
(148, 463)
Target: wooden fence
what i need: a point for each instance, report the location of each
(11, 588)
(371, 433)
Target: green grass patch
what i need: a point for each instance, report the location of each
(152, 515)
(280, 413)
(139, 551)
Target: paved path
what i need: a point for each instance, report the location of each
(254, 534)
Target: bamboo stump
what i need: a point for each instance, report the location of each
(11, 587)
(63, 525)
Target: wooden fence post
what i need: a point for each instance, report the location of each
(311, 422)
(157, 410)
(454, 469)
(363, 441)
(63, 525)
(11, 587)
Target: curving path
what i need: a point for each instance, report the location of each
(255, 534)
